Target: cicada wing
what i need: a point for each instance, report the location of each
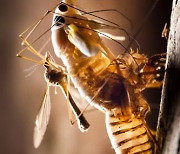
(42, 119)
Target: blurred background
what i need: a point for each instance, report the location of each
(20, 96)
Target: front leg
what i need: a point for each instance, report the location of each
(153, 71)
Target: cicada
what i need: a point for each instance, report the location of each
(112, 84)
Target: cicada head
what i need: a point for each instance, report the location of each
(63, 16)
(64, 13)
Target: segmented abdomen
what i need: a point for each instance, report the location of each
(128, 137)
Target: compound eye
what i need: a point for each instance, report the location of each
(59, 20)
(63, 8)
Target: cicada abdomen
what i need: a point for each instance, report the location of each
(125, 110)
(128, 136)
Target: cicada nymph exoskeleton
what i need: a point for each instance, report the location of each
(111, 84)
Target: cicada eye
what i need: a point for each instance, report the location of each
(59, 20)
(63, 8)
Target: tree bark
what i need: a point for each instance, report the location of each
(168, 130)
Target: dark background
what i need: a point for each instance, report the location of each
(20, 96)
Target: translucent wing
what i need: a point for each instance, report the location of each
(42, 119)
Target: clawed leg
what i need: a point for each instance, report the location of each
(153, 71)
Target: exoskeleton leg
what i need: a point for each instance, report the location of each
(153, 71)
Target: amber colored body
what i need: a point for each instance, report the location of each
(112, 85)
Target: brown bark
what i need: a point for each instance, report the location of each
(168, 131)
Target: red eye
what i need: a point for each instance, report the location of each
(63, 8)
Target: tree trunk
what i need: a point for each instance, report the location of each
(168, 131)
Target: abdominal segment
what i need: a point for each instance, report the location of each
(129, 136)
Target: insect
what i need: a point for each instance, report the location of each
(111, 84)
(55, 75)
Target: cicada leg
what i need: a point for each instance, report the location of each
(153, 71)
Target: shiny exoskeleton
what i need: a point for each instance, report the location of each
(113, 85)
